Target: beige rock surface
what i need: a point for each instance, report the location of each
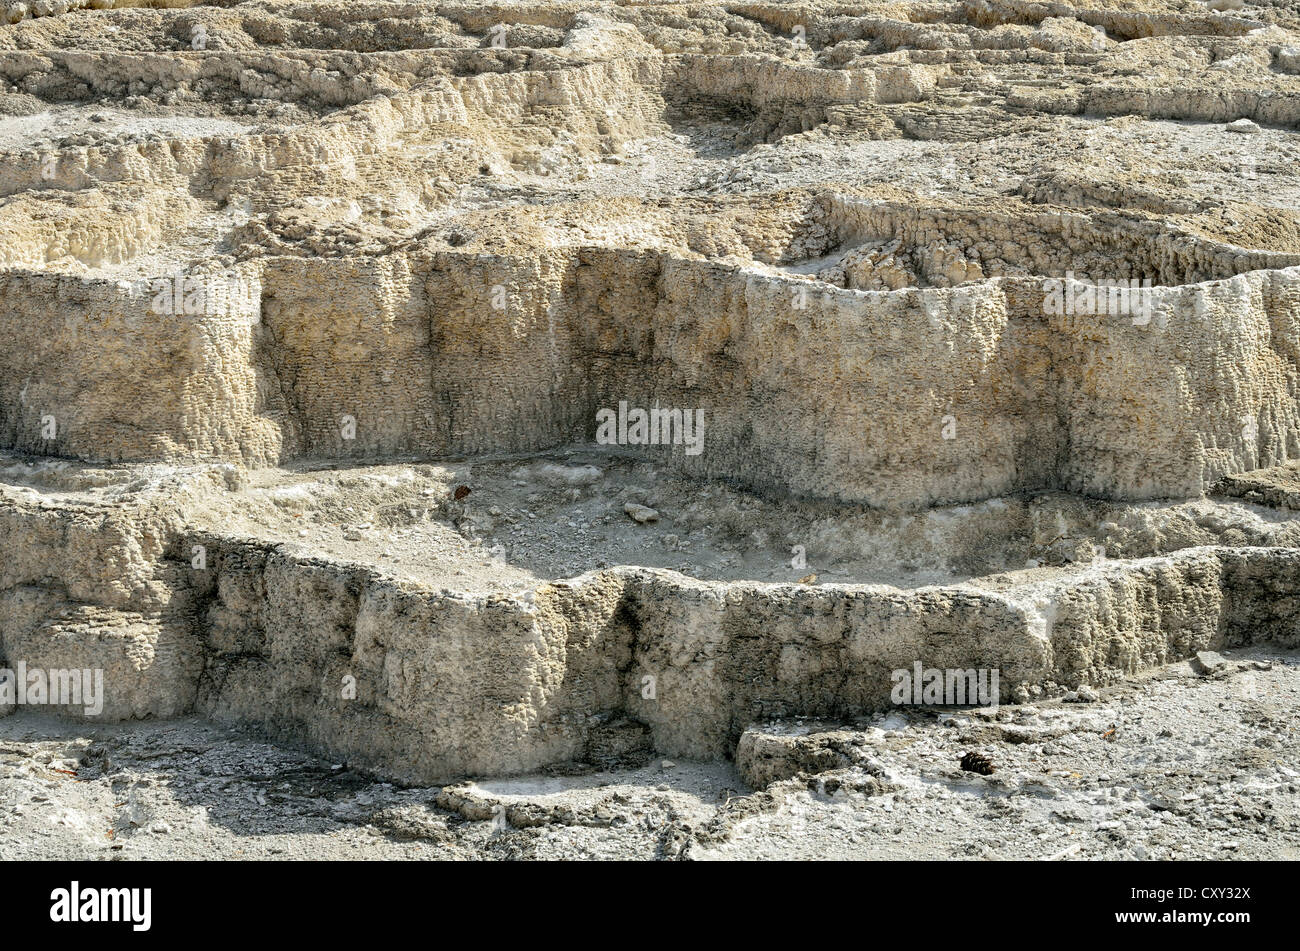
(987, 315)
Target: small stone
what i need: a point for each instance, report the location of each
(641, 513)
(1243, 126)
(1207, 662)
(569, 475)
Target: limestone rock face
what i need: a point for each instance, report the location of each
(894, 398)
(429, 685)
(468, 390)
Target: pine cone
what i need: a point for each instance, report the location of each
(977, 763)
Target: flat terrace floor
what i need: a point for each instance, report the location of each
(522, 521)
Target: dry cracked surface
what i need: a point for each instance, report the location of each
(309, 313)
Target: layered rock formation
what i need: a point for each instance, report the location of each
(894, 256)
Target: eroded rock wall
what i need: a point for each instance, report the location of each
(427, 686)
(904, 398)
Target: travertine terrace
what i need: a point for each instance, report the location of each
(311, 311)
